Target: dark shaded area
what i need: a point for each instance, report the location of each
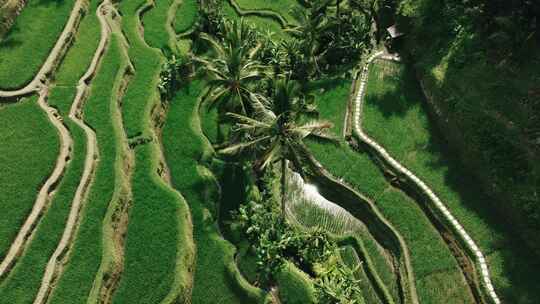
(517, 260)
(479, 63)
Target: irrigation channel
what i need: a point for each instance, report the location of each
(382, 152)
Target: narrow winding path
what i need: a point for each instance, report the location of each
(62, 44)
(45, 193)
(75, 115)
(358, 131)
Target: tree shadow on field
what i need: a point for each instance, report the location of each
(325, 84)
(514, 260)
(10, 40)
(404, 93)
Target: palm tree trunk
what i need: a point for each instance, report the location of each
(283, 185)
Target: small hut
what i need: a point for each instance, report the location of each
(394, 32)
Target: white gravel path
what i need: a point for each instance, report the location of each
(56, 53)
(357, 129)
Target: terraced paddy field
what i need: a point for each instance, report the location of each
(144, 162)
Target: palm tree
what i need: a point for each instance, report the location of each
(276, 134)
(311, 22)
(232, 68)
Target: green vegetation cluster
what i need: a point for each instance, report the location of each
(276, 245)
(264, 113)
(29, 144)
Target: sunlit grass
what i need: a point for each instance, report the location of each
(28, 151)
(28, 43)
(76, 281)
(186, 16)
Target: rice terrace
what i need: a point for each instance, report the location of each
(269, 151)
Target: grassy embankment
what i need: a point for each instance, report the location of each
(184, 149)
(395, 115)
(438, 277)
(24, 280)
(158, 242)
(30, 146)
(262, 24)
(281, 7)
(186, 16)
(295, 286)
(83, 262)
(26, 46)
(155, 26)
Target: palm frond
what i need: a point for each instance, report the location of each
(313, 127)
(272, 154)
(216, 45)
(239, 147)
(247, 120)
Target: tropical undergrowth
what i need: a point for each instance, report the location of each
(276, 244)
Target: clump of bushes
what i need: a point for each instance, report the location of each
(276, 244)
(174, 71)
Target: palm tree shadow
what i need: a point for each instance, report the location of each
(11, 40)
(401, 92)
(510, 253)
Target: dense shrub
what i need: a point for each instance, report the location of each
(277, 244)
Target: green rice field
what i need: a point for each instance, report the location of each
(171, 155)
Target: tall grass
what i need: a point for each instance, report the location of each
(152, 236)
(155, 233)
(24, 280)
(295, 286)
(155, 25)
(28, 151)
(186, 16)
(28, 43)
(147, 62)
(396, 116)
(76, 281)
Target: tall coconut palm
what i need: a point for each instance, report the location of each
(276, 134)
(231, 68)
(312, 22)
